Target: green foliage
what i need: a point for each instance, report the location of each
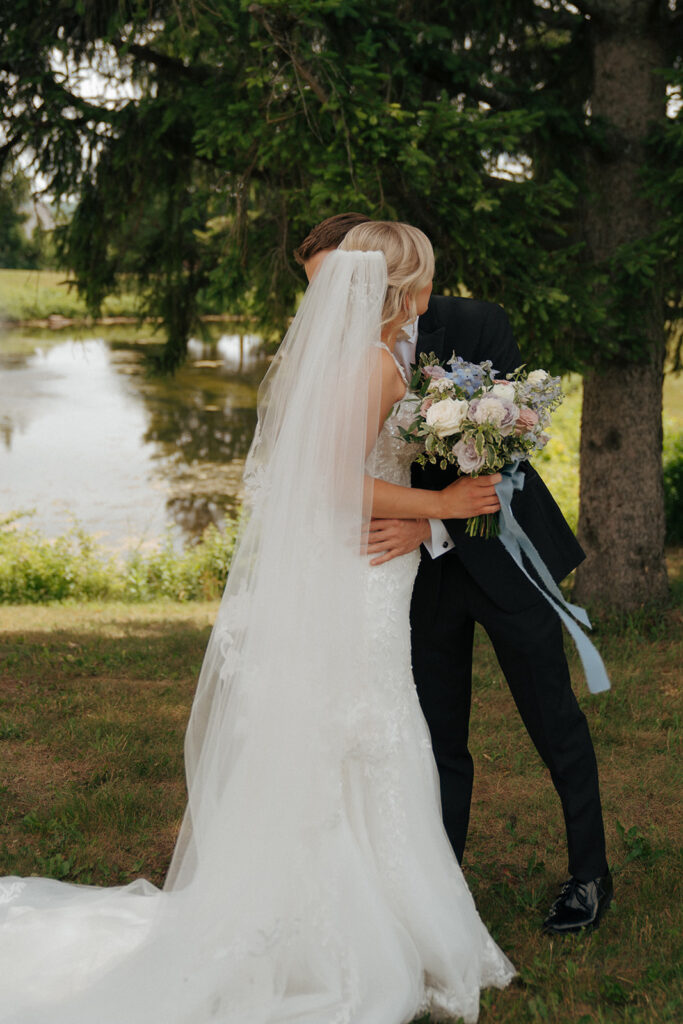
(199, 573)
(558, 462)
(663, 180)
(34, 570)
(637, 846)
(245, 124)
(16, 249)
(673, 488)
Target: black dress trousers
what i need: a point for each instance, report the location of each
(528, 643)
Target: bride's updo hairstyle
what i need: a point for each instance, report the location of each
(410, 263)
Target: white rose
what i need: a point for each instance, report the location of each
(502, 389)
(537, 377)
(446, 416)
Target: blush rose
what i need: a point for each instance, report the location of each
(466, 454)
(526, 420)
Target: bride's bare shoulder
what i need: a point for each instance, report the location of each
(392, 383)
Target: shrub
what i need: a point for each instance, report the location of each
(197, 573)
(35, 570)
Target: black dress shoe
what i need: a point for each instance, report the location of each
(579, 905)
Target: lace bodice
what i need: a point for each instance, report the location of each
(391, 457)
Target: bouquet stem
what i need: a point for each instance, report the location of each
(485, 526)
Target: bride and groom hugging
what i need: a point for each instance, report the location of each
(312, 881)
(463, 580)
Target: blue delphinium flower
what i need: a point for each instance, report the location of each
(469, 376)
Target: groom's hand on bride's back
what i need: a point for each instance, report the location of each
(389, 538)
(470, 496)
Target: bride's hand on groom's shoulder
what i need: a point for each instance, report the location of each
(389, 538)
(470, 496)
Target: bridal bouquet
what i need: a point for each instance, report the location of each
(469, 419)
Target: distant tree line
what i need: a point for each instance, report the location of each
(21, 247)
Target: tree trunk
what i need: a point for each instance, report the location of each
(621, 514)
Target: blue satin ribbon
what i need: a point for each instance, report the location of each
(516, 543)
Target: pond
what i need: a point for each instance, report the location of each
(87, 435)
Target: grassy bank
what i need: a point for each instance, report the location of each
(39, 294)
(93, 704)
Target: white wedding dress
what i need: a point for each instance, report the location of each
(321, 887)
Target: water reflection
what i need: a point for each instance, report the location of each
(86, 432)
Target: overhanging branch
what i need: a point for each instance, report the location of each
(162, 60)
(283, 43)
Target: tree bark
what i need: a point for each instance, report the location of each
(621, 514)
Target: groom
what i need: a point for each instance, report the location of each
(463, 580)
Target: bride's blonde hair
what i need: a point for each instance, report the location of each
(410, 263)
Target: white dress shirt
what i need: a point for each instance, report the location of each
(440, 541)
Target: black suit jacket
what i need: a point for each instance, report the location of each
(478, 331)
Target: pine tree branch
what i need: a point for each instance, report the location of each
(90, 111)
(281, 40)
(162, 60)
(486, 94)
(442, 79)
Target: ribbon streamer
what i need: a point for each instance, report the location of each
(516, 543)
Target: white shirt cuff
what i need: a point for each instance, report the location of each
(440, 541)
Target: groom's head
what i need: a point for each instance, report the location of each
(324, 238)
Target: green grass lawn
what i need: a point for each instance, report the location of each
(93, 705)
(38, 294)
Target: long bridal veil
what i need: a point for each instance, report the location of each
(289, 643)
(256, 887)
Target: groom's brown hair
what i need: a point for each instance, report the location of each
(328, 234)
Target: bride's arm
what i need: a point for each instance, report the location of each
(468, 496)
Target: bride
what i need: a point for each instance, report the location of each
(312, 881)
